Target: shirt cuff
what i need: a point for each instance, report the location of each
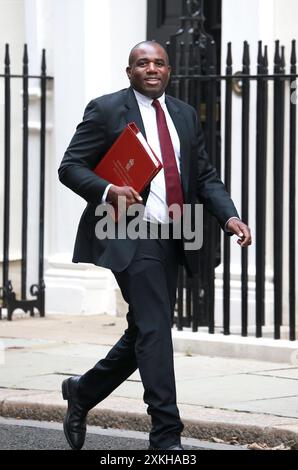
(104, 196)
(225, 227)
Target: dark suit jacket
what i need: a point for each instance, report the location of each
(103, 121)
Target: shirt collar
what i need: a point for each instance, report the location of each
(145, 100)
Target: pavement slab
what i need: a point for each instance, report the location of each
(219, 397)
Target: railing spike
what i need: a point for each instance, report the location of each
(246, 58)
(25, 55)
(282, 59)
(25, 60)
(293, 53)
(260, 54)
(266, 57)
(43, 62)
(276, 53)
(7, 57)
(229, 55)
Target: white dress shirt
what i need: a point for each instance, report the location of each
(156, 207)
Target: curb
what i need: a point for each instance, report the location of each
(197, 429)
(233, 346)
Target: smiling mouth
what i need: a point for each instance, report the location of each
(152, 80)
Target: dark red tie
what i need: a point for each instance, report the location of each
(172, 178)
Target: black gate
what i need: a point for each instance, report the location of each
(37, 291)
(197, 80)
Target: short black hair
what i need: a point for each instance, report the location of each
(142, 43)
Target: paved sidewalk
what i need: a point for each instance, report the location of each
(234, 400)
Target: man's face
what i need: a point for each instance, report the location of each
(149, 71)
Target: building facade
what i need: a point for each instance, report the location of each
(87, 43)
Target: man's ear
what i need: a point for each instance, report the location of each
(169, 69)
(128, 71)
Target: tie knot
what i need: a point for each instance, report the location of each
(156, 104)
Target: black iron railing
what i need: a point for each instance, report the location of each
(37, 291)
(195, 79)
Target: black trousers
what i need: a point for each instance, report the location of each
(148, 285)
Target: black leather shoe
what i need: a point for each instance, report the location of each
(174, 447)
(74, 423)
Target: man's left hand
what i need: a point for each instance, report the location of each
(242, 231)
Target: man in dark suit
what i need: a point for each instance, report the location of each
(145, 269)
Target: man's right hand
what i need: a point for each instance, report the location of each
(131, 195)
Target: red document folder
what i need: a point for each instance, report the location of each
(130, 161)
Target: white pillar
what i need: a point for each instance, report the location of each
(12, 13)
(91, 43)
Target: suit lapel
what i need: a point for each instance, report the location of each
(181, 127)
(133, 112)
